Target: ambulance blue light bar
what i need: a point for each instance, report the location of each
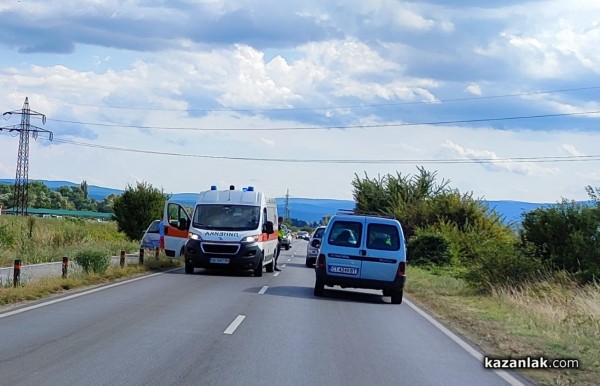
(213, 187)
(251, 188)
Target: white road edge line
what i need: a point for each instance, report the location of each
(263, 290)
(234, 325)
(276, 274)
(50, 302)
(501, 373)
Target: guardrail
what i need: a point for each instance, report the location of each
(18, 271)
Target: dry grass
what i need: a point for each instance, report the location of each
(555, 318)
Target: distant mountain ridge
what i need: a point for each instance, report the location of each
(95, 192)
(307, 209)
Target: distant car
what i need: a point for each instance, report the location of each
(312, 250)
(303, 235)
(151, 238)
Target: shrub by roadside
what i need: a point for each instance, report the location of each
(93, 261)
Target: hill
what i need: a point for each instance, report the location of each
(308, 209)
(95, 192)
(304, 209)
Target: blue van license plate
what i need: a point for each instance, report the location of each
(345, 270)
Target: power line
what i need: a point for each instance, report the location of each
(381, 125)
(545, 159)
(450, 100)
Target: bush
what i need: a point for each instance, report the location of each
(93, 260)
(566, 237)
(428, 249)
(501, 264)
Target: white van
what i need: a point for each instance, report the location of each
(362, 252)
(229, 229)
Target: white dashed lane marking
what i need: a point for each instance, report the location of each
(234, 325)
(263, 290)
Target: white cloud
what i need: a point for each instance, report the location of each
(560, 41)
(571, 150)
(474, 89)
(491, 161)
(268, 142)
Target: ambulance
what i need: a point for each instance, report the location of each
(228, 229)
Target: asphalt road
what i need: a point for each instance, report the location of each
(223, 328)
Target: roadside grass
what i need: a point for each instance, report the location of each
(554, 318)
(36, 240)
(35, 289)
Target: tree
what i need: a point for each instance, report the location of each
(6, 195)
(39, 195)
(565, 236)
(405, 197)
(106, 205)
(84, 188)
(137, 207)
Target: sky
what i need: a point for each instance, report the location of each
(500, 98)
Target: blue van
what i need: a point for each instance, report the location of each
(362, 252)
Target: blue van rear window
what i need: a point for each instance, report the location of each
(383, 237)
(345, 234)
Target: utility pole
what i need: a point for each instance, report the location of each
(21, 191)
(287, 205)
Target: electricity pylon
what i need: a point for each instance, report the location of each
(21, 191)
(287, 206)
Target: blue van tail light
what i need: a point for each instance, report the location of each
(402, 268)
(321, 261)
